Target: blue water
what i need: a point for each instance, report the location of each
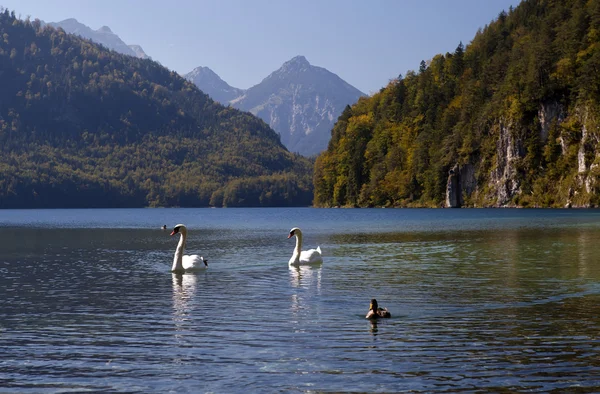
(482, 300)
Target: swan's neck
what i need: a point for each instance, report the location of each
(298, 244)
(296, 255)
(178, 258)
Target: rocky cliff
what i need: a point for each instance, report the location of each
(575, 136)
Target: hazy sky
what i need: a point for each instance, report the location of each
(365, 42)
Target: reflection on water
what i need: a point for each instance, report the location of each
(584, 246)
(373, 323)
(184, 289)
(306, 277)
(306, 280)
(481, 301)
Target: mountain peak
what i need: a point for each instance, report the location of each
(70, 24)
(298, 63)
(105, 29)
(301, 102)
(202, 73)
(210, 83)
(204, 70)
(299, 60)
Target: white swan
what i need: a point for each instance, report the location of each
(304, 257)
(186, 263)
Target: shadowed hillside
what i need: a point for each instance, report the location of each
(82, 126)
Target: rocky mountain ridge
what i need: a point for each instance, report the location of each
(299, 101)
(210, 83)
(103, 35)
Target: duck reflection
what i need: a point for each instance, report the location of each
(373, 327)
(184, 288)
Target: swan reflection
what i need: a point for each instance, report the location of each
(307, 282)
(306, 277)
(184, 288)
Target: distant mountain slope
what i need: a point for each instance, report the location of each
(299, 101)
(139, 52)
(103, 36)
(211, 84)
(82, 126)
(512, 120)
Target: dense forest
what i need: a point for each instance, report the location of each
(510, 120)
(83, 126)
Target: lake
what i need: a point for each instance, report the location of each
(500, 300)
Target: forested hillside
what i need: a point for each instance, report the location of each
(82, 126)
(510, 120)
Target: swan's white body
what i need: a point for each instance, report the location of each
(304, 257)
(184, 263)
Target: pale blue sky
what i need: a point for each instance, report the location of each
(366, 43)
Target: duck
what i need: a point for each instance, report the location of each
(184, 263)
(375, 312)
(303, 257)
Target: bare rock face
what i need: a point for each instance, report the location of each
(588, 155)
(468, 181)
(453, 189)
(547, 113)
(503, 180)
(461, 181)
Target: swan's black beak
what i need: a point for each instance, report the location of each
(205, 262)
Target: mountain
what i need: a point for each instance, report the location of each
(509, 121)
(84, 126)
(211, 84)
(103, 36)
(299, 101)
(139, 52)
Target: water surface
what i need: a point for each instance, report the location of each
(481, 300)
